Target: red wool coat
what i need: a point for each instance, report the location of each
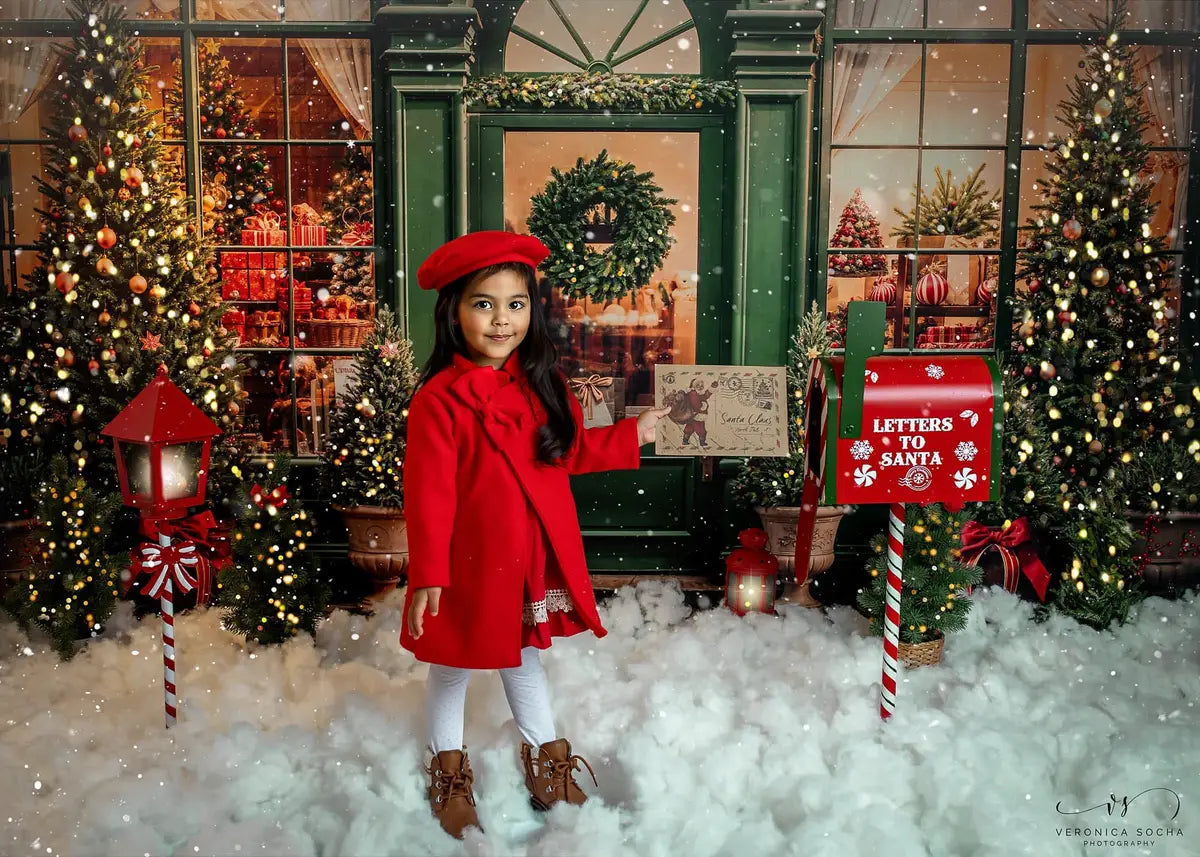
(471, 482)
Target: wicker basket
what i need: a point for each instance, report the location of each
(336, 332)
(914, 655)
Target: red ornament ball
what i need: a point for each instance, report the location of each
(986, 291)
(1072, 229)
(101, 170)
(94, 366)
(106, 238)
(1034, 285)
(932, 288)
(77, 133)
(193, 309)
(277, 204)
(219, 133)
(64, 282)
(137, 142)
(107, 151)
(133, 177)
(883, 290)
(137, 284)
(104, 317)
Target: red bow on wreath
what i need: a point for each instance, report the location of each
(1016, 551)
(271, 501)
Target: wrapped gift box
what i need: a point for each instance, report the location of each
(264, 237)
(233, 260)
(235, 285)
(234, 321)
(308, 235)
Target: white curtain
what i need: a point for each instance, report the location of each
(1170, 105)
(865, 74)
(27, 64)
(1077, 14)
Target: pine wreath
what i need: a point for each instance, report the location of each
(640, 234)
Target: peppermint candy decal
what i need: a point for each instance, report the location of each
(864, 476)
(966, 478)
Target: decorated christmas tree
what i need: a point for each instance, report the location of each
(1091, 351)
(966, 209)
(273, 590)
(859, 227)
(935, 579)
(121, 281)
(235, 178)
(775, 481)
(354, 275)
(72, 585)
(351, 200)
(366, 445)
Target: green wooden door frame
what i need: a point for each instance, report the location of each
(665, 516)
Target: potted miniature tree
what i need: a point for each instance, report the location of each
(365, 453)
(773, 485)
(936, 584)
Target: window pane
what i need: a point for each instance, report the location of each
(599, 25)
(885, 180)
(1143, 14)
(267, 416)
(335, 186)
(328, 10)
(239, 180)
(1034, 178)
(980, 13)
(29, 66)
(876, 94)
(623, 339)
(317, 378)
(961, 199)
(870, 13)
(334, 295)
(1167, 173)
(232, 10)
(20, 166)
(329, 88)
(240, 89)
(966, 94)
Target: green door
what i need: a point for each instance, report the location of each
(667, 515)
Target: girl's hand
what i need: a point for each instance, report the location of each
(429, 596)
(647, 422)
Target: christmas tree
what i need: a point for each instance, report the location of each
(366, 445)
(967, 210)
(121, 283)
(351, 200)
(859, 227)
(235, 178)
(272, 592)
(71, 587)
(1091, 352)
(774, 481)
(354, 276)
(933, 599)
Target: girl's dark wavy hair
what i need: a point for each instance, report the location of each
(537, 352)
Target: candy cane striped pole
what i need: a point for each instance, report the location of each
(166, 604)
(891, 611)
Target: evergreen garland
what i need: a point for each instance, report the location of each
(365, 452)
(70, 589)
(934, 597)
(273, 590)
(604, 91)
(778, 481)
(641, 231)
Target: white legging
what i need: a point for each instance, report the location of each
(525, 687)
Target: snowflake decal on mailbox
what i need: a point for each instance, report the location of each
(966, 478)
(864, 475)
(935, 371)
(861, 450)
(966, 451)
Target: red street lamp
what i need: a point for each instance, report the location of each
(163, 442)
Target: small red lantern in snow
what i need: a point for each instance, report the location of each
(750, 575)
(162, 445)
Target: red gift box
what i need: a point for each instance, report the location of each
(235, 260)
(235, 286)
(264, 237)
(254, 259)
(280, 260)
(307, 235)
(234, 321)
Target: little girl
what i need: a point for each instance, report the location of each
(496, 557)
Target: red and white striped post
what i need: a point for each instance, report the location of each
(166, 602)
(891, 610)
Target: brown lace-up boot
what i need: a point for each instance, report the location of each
(450, 795)
(549, 774)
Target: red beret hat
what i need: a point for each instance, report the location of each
(477, 250)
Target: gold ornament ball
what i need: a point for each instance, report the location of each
(234, 408)
(106, 238)
(1048, 372)
(158, 293)
(76, 133)
(64, 282)
(1100, 276)
(1104, 108)
(104, 265)
(369, 411)
(1095, 447)
(208, 202)
(104, 318)
(137, 284)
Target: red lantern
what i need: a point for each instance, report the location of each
(750, 575)
(162, 443)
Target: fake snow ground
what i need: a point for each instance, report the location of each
(710, 735)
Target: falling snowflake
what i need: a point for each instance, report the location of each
(966, 478)
(966, 451)
(864, 475)
(934, 371)
(861, 450)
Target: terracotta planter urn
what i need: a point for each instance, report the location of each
(378, 543)
(780, 523)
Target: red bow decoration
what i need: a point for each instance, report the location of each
(266, 219)
(361, 235)
(1016, 550)
(163, 563)
(210, 538)
(275, 499)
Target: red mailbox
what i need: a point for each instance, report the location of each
(897, 429)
